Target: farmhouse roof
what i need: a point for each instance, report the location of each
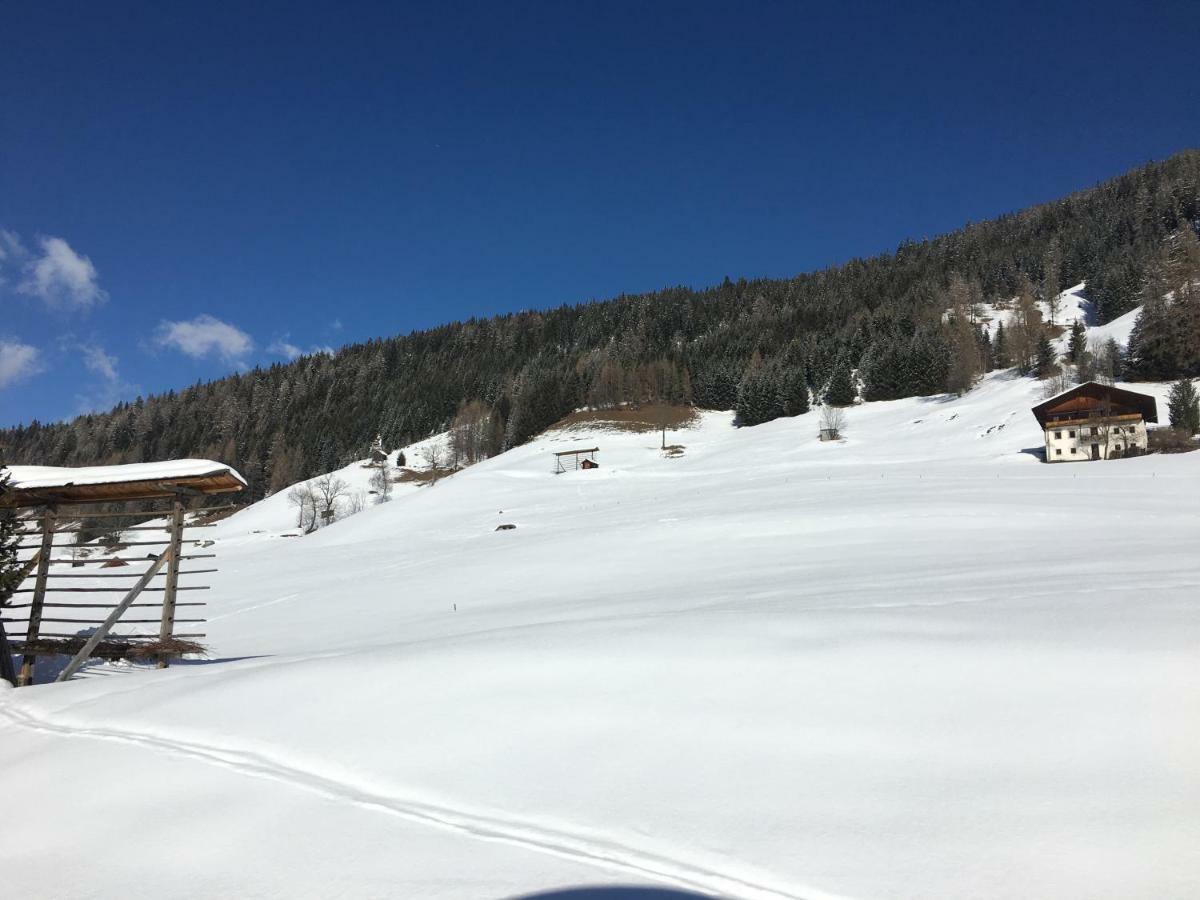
(1142, 403)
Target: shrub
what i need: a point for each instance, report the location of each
(1171, 440)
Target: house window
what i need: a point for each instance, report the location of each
(1058, 435)
(1072, 451)
(1071, 433)
(1058, 452)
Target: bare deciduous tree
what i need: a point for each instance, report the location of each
(966, 360)
(474, 435)
(304, 498)
(833, 420)
(1056, 384)
(381, 483)
(435, 456)
(329, 489)
(1025, 329)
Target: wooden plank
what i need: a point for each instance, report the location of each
(128, 559)
(127, 638)
(167, 625)
(137, 514)
(28, 660)
(124, 574)
(91, 605)
(123, 621)
(110, 590)
(99, 634)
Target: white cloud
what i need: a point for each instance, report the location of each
(103, 364)
(281, 347)
(59, 277)
(12, 254)
(17, 361)
(205, 336)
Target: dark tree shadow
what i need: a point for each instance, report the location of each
(47, 666)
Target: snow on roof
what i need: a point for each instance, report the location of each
(133, 481)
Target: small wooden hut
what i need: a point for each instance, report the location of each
(58, 503)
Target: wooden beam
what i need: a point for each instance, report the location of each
(100, 633)
(7, 670)
(167, 626)
(28, 660)
(91, 560)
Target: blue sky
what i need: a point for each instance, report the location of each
(190, 189)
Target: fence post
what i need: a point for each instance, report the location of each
(167, 628)
(49, 523)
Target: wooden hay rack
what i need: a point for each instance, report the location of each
(575, 459)
(75, 612)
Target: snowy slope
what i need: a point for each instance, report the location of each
(276, 516)
(916, 663)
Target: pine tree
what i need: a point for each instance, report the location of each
(1184, 406)
(10, 537)
(1050, 274)
(793, 391)
(1045, 363)
(1000, 353)
(884, 371)
(758, 397)
(840, 391)
(1151, 348)
(1077, 343)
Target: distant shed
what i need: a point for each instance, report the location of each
(576, 459)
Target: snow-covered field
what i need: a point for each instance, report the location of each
(914, 664)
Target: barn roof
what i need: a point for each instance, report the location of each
(37, 485)
(1094, 390)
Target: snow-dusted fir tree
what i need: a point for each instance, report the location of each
(1044, 361)
(758, 397)
(1184, 406)
(10, 566)
(1077, 343)
(841, 384)
(793, 390)
(1000, 355)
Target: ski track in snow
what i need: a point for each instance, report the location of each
(539, 838)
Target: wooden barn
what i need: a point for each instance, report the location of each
(1095, 421)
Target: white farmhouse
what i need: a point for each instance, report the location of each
(1095, 421)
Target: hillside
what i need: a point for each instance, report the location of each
(903, 665)
(294, 421)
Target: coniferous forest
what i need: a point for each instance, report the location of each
(898, 324)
